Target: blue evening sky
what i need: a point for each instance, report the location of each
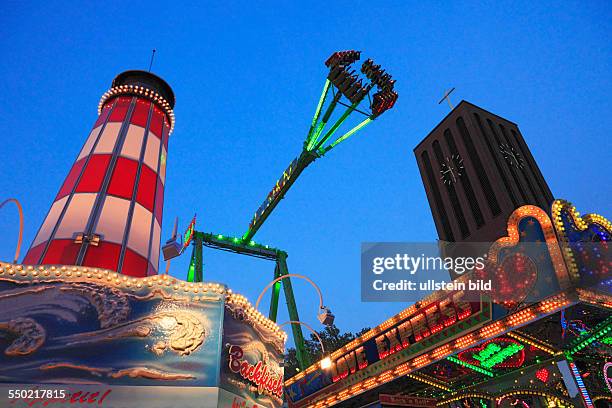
(247, 79)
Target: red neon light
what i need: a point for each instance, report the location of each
(430, 320)
(542, 375)
(260, 374)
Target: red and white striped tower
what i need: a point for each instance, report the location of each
(108, 212)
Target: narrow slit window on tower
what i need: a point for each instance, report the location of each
(512, 172)
(465, 182)
(493, 152)
(534, 171)
(520, 165)
(485, 184)
(450, 188)
(446, 228)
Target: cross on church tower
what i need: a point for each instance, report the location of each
(446, 96)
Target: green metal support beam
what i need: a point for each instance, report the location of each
(195, 272)
(314, 147)
(345, 136)
(298, 337)
(191, 270)
(275, 294)
(237, 245)
(312, 138)
(199, 266)
(303, 161)
(315, 119)
(319, 144)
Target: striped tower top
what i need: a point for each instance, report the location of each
(108, 211)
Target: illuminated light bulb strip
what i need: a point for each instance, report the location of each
(235, 240)
(601, 330)
(581, 223)
(503, 354)
(439, 352)
(598, 299)
(428, 381)
(516, 319)
(550, 237)
(381, 328)
(607, 378)
(536, 393)
(141, 92)
(581, 387)
(511, 322)
(256, 316)
(463, 396)
(200, 291)
(557, 208)
(470, 366)
(532, 342)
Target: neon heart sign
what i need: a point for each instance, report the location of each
(496, 353)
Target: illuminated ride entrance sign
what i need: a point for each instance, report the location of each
(410, 333)
(413, 330)
(450, 347)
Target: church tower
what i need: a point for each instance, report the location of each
(477, 169)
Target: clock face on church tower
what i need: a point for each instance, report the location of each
(512, 157)
(451, 169)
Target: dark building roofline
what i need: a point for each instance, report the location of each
(460, 104)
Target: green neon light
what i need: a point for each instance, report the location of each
(321, 125)
(188, 235)
(346, 135)
(336, 125)
(321, 101)
(234, 242)
(602, 331)
(470, 366)
(276, 290)
(315, 136)
(491, 349)
(274, 301)
(607, 340)
(500, 356)
(318, 110)
(191, 272)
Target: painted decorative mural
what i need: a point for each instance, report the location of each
(82, 329)
(250, 357)
(76, 325)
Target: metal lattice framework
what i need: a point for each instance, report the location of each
(343, 88)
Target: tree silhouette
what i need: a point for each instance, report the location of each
(332, 340)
